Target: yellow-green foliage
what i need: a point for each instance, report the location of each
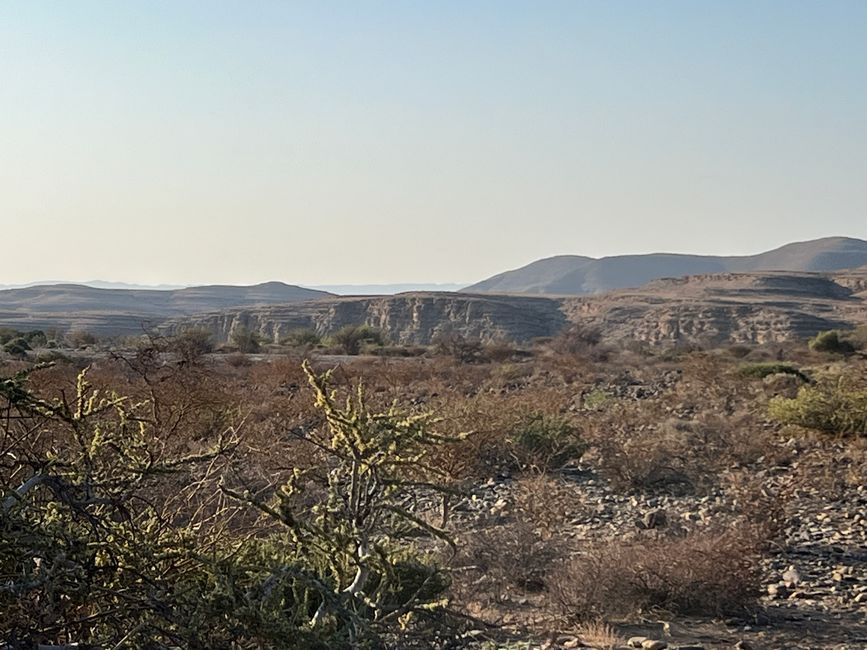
(833, 341)
(95, 551)
(766, 368)
(831, 406)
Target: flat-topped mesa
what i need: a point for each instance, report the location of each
(746, 285)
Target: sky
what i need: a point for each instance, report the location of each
(192, 142)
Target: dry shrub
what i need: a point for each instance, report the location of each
(238, 360)
(497, 559)
(545, 501)
(704, 573)
(599, 634)
(501, 351)
(762, 510)
(652, 446)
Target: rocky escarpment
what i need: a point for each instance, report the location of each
(717, 308)
(727, 308)
(416, 318)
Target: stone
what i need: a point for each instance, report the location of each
(655, 519)
(791, 577)
(650, 644)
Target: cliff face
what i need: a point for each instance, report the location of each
(406, 319)
(728, 308)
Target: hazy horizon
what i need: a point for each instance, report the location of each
(366, 143)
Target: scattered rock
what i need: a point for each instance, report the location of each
(650, 644)
(655, 519)
(791, 577)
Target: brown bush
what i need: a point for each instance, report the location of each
(706, 573)
(508, 557)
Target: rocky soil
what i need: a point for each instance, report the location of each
(815, 576)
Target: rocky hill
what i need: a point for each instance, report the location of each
(724, 307)
(728, 307)
(576, 275)
(112, 312)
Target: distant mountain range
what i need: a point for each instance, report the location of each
(577, 275)
(96, 284)
(790, 291)
(339, 289)
(386, 289)
(125, 311)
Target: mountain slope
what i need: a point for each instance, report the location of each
(575, 275)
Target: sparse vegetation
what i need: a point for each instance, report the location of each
(244, 509)
(191, 344)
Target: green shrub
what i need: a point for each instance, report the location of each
(97, 550)
(767, 368)
(302, 337)
(17, 347)
(859, 337)
(545, 442)
(246, 340)
(832, 341)
(597, 399)
(192, 344)
(829, 406)
(351, 338)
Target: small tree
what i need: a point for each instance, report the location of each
(245, 340)
(80, 339)
(349, 516)
(302, 337)
(459, 347)
(192, 344)
(351, 337)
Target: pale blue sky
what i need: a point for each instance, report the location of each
(361, 142)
